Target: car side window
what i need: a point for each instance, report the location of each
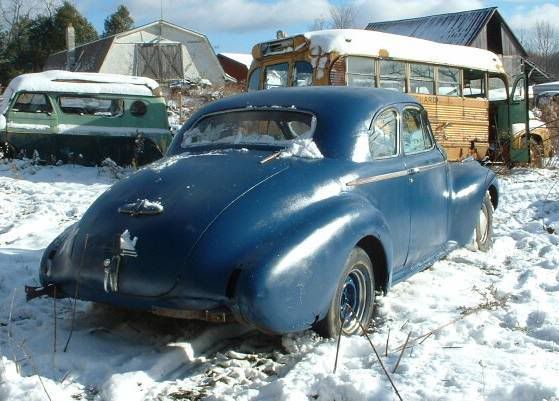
(383, 135)
(415, 134)
(32, 103)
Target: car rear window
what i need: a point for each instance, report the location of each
(249, 127)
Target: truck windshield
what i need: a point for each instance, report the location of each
(271, 127)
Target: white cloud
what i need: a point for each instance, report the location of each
(527, 19)
(382, 10)
(231, 15)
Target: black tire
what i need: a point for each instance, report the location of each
(355, 288)
(484, 225)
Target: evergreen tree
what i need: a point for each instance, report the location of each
(119, 21)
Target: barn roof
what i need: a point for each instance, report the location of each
(459, 28)
(87, 57)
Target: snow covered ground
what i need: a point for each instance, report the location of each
(500, 339)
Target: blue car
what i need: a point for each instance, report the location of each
(285, 210)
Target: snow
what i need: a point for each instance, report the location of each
(502, 343)
(242, 58)
(360, 42)
(78, 82)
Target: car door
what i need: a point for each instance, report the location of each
(383, 181)
(428, 187)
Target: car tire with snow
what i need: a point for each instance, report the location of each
(484, 225)
(352, 304)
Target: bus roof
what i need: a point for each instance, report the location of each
(359, 42)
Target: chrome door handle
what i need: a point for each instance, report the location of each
(413, 171)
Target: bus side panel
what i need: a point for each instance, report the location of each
(461, 125)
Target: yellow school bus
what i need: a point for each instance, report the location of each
(465, 90)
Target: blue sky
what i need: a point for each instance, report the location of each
(235, 25)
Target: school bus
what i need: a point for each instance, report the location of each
(471, 104)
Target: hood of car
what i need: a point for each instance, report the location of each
(151, 220)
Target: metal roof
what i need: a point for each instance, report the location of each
(453, 28)
(87, 58)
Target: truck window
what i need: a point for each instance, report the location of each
(449, 82)
(92, 106)
(422, 79)
(32, 103)
(276, 75)
(392, 75)
(302, 73)
(360, 71)
(254, 80)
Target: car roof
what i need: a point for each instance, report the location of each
(342, 112)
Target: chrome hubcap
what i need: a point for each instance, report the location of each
(483, 224)
(353, 300)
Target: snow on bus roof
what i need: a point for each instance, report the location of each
(387, 45)
(78, 82)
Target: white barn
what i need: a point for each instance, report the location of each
(159, 50)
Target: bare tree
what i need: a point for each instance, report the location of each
(319, 24)
(339, 17)
(542, 44)
(342, 17)
(545, 43)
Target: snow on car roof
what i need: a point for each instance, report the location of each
(386, 45)
(78, 82)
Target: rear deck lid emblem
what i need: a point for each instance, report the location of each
(141, 207)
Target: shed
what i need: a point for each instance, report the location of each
(484, 28)
(236, 64)
(160, 50)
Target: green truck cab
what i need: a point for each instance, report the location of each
(84, 118)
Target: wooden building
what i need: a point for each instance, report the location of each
(484, 28)
(160, 50)
(236, 65)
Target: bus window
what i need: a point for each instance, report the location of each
(449, 82)
(254, 80)
(474, 83)
(276, 75)
(303, 74)
(392, 75)
(422, 79)
(360, 71)
(497, 89)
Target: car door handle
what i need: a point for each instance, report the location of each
(413, 171)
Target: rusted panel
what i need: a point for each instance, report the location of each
(337, 72)
(458, 123)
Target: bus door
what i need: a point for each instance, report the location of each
(518, 103)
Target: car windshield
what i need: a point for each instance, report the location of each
(270, 127)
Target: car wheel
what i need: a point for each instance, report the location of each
(352, 304)
(484, 225)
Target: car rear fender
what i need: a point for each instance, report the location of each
(292, 287)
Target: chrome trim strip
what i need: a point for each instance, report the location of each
(396, 174)
(430, 166)
(376, 178)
